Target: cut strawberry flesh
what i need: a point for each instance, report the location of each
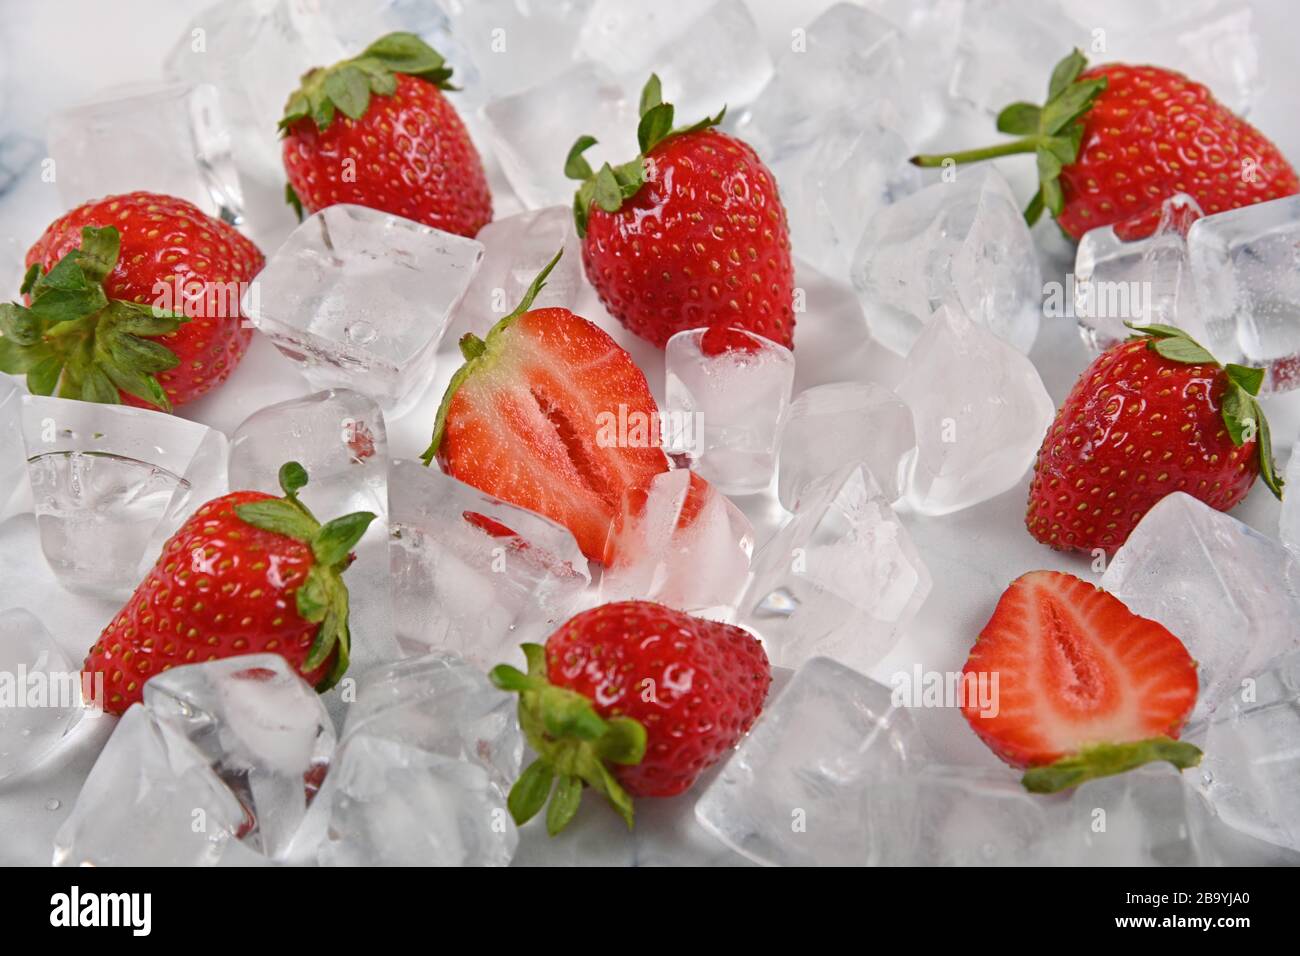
(1075, 668)
(556, 418)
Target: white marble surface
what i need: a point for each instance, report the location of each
(971, 555)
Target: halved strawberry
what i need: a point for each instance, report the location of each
(549, 413)
(1085, 687)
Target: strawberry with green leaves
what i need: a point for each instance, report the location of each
(377, 131)
(690, 234)
(1113, 142)
(631, 699)
(131, 299)
(248, 573)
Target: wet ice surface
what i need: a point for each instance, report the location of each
(46, 698)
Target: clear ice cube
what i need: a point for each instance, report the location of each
(841, 578)
(516, 44)
(385, 803)
(1007, 50)
(15, 487)
(171, 139)
(263, 730)
(1250, 773)
(980, 412)
(679, 542)
(531, 131)
(1138, 818)
(46, 689)
(516, 249)
(1249, 288)
(150, 800)
(796, 792)
(1229, 593)
(726, 409)
(109, 482)
(1289, 520)
(442, 705)
(1146, 280)
(472, 575)
(845, 423)
(963, 241)
(360, 299)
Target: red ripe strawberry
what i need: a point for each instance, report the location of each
(549, 413)
(399, 145)
(1085, 687)
(248, 573)
(690, 234)
(131, 299)
(634, 700)
(1150, 416)
(1115, 141)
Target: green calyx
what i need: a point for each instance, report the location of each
(1242, 414)
(477, 351)
(346, 86)
(1105, 760)
(322, 598)
(610, 186)
(1053, 132)
(75, 341)
(574, 746)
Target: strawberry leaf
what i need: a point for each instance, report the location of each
(1104, 760)
(337, 538)
(528, 795)
(1248, 378)
(564, 804)
(1019, 119)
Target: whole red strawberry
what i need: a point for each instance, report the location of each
(1150, 416)
(248, 573)
(1084, 687)
(550, 414)
(398, 146)
(690, 234)
(1115, 141)
(131, 299)
(634, 700)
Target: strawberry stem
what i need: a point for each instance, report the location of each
(1105, 760)
(1026, 144)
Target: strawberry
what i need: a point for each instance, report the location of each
(1150, 416)
(634, 700)
(131, 299)
(536, 417)
(1115, 141)
(248, 573)
(399, 146)
(690, 234)
(1085, 688)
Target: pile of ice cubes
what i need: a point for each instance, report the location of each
(408, 760)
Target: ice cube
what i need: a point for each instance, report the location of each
(1229, 593)
(1244, 264)
(150, 800)
(963, 241)
(796, 790)
(679, 542)
(845, 423)
(1138, 818)
(15, 487)
(1289, 520)
(385, 803)
(442, 705)
(736, 398)
(1007, 50)
(957, 816)
(531, 131)
(516, 44)
(1250, 773)
(361, 299)
(45, 688)
(263, 731)
(170, 139)
(1144, 279)
(980, 412)
(473, 575)
(840, 579)
(109, 482)
(516, 249)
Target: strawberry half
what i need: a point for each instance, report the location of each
(1112, 143)
(248, 573)
(632, 699)
(550, 414)
(1085, 687)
